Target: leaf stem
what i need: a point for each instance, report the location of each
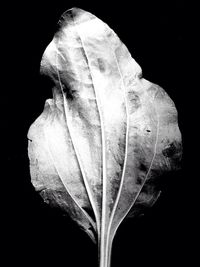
(105, 253)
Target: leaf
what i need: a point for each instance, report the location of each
(107, 136)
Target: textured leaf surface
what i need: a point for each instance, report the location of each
(107, 135)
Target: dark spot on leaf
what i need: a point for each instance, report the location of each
(69, 92)
(101, 65)
(148, 131)
(139, 180)
(140, 75)
(134, 101)
(143, 167)
(169, 151)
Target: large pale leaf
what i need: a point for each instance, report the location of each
(107, 135)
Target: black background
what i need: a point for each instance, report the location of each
(155, 33)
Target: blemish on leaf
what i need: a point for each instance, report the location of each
(101, 65)
(170, 150)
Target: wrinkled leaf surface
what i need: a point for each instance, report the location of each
(107, 136)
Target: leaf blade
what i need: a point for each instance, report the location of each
(122, 128)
